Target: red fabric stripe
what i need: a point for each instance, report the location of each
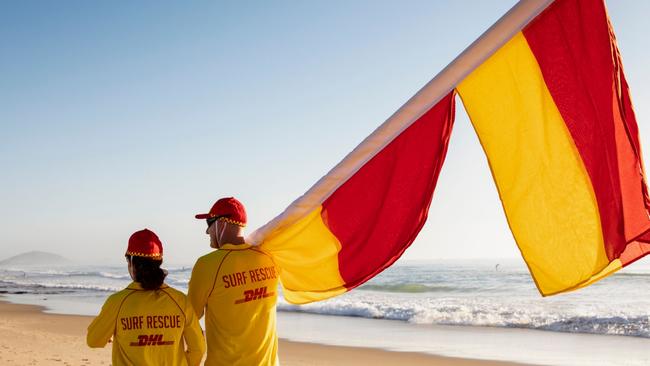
(575, 48)
(379, 211)
(634, 251)
(631, 127)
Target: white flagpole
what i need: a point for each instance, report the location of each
(480, 50)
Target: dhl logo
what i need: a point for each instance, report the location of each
(251, 295)
(151, 340)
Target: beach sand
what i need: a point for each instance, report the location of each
(28, 336)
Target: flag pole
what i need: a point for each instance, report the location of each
(429, 95)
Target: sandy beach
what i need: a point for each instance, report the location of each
(28, 336)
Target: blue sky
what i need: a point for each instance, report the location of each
(115, 116)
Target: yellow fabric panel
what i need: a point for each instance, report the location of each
(544, 188)
(307, 253)
(149, 327)
(236, 287)
(613, 267)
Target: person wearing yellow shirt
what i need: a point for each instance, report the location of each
(149, 322)
(235, 286)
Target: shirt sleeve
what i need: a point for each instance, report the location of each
(193, 337)
(102, 327)
(201, 282)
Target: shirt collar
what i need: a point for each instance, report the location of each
(235, 246)
(137, 286)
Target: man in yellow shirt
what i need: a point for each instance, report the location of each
(150, 323)
(236, 287)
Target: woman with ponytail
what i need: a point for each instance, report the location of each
(146, 271)
(149, 322)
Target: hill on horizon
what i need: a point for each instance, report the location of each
(35, 258)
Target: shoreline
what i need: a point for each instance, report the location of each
(30, 336)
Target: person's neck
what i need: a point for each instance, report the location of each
(237, 240)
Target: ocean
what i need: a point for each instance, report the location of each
(415, 296)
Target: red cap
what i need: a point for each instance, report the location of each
(145, 243)
(227, 209)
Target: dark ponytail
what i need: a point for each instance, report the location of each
(148, 272)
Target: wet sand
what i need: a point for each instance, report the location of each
(28, 336)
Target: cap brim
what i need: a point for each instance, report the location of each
(202, 216)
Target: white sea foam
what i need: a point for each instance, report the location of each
(427, 294)
(490, 313)
(15, 287)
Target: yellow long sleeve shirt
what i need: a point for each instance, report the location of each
(149, 327)
(236, 287)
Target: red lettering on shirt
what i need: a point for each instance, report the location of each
(256, 294)
(163, 321)
(150, 340)
(131, 322)
(262, 274)
(234, 279)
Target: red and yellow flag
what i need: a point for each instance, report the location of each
(553, 113)
(360, 217)
(552, 110)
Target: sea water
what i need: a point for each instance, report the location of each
(491, 294)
